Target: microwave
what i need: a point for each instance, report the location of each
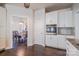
(51, 28)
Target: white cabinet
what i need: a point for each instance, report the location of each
(56, 41)
(47, 41)
(61, 41)
(76, 18)
(2, 27)
(77, 25)
(61, 19)
(65, 18)
(69, 21)
(51, 17)
(39, 27)
(71, 50)
(51, 41)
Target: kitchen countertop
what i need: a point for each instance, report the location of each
(73, 42)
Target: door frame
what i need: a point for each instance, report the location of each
(11, 37)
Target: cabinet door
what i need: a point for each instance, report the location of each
(65, 18)
(53, 41)
(61, 42)
(51, 18)
(47, 41)
(77, 26)
(61, 19)
(68, 19)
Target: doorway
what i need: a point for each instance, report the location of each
(19, 31)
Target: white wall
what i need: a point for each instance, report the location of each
(18, 11)
(39, 26)
(2, 27)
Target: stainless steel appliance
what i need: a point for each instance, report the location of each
(52, 29)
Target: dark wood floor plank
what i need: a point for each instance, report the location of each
(35, 50)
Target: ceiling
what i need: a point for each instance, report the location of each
(40, 5)
(48, 6)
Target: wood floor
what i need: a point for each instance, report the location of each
(35, 50)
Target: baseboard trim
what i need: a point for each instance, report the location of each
(2, 50)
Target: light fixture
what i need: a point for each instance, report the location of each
(26, 5)
(20, 23)
(2, 4)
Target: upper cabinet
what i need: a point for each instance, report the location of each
(65, 18)
(76, 16)
(51, 17)
(76, 21)
(61, 19)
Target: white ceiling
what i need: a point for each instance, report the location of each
(17, 4)
(41, 5)
(47, 5)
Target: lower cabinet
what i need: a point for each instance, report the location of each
(51, 41)
(71, 50)
(56, 41)
(61, 41)
(47, 40)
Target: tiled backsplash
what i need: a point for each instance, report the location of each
(66, 31)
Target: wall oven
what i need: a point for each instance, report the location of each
(51, 29)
